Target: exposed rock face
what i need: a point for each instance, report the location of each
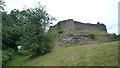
(70, 25)
(78, 33)
(80, 39)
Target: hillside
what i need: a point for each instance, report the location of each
(104, 54)
(80, 38)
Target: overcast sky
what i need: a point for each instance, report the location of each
(86, 11)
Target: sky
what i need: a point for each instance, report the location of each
(86, 11)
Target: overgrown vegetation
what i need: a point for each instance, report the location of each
(92, 36)
(60, 31)
(114, 37)
(7, 55)
(27, 28)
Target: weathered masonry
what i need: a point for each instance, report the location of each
(70, 25)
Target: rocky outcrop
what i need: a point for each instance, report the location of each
(81, 38)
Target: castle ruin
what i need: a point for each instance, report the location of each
(71, 25)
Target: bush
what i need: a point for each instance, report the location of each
(92, 36)
(114, 37)
(60, 31)
(7, 55)
(45, 46)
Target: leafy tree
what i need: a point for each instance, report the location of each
(11, 31)
(28, 29)
(35, 37)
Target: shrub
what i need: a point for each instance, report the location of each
(60, 31)
(114, 37)
(92, 36)
(7, 55)
(45, 46)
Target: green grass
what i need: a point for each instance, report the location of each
(0, 58)
(105, 54)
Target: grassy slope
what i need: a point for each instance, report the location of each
(105, 54)
(0, 58)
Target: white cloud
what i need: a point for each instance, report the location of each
(87, 11)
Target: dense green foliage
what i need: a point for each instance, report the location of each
(114, 37)
(11, 30)
(7, 55)
(26, 28)
(36, 21)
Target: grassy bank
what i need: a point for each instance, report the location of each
(105, 54)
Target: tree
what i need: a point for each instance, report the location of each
(35, 37)
(11, 30)
(28, 29)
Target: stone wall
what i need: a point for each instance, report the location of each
(88, 26)
(70, 25)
